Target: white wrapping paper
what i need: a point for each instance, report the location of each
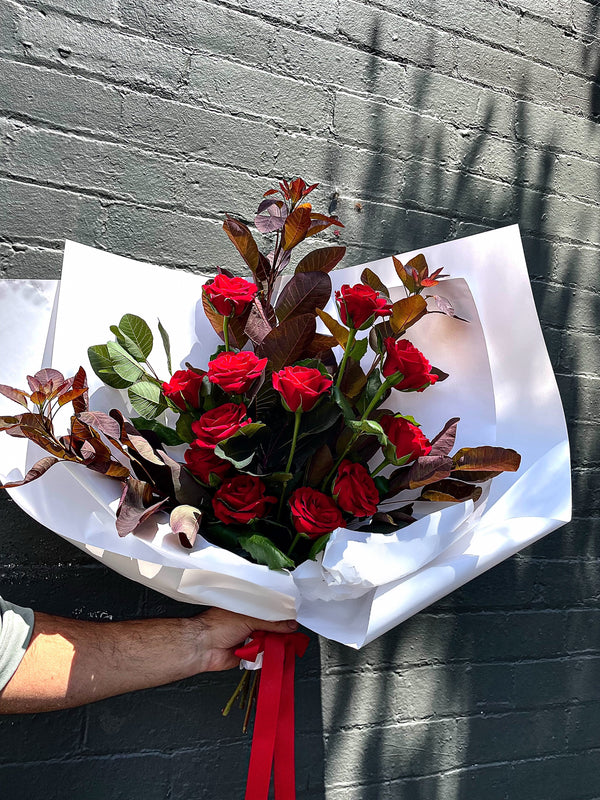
(501, 385)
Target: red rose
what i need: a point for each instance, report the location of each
(404, 357)
(354, 490)
(301, 387)
(359, 305)
(314, 513)
(230, 296)
(202, 462)
(184, 387)
(405, 437)
(219, 424)
(241, 499)
(236, 372)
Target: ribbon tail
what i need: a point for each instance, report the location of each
(284, 757)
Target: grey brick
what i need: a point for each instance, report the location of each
(320, 15)
(557, 47)
(478, 19)
(580, 396)
(578, 95)
(106, 168)
(245, 89)
(388, 34)
(552, 128)
(29, 212)
(166, 237)
(185, 129)
(53, 97)
(584, 17)
(129, 59)
(562, 305)
(383, 127)
(555, 10)
(101, 10)
(506, 71)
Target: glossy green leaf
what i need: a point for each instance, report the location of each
(123, 363)
(147, 399)
(102, 365)
(166, 344)
(137, 331)
(264, 551)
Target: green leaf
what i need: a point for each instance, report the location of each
(370, 428)
(123, 364)
(137, 331)
(166, 344)
(147, 399)
(222, 535)
(102, 365)
(359, 348)
(166, 435)
(264, 551)
(183, 426)
(319, 545)
(341, 400)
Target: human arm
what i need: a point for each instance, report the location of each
(72, 662)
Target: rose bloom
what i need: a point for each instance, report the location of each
(314, 513)
(354, 490)
(360, 304)
(241, 499)
(230, 296)
(236, 372)
(184, 387)
(219, 424)
(301, 387)
(405, 437)
(402, 356)
(202, 462)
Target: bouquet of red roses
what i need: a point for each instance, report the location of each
(286, 436)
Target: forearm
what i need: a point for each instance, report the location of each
(72, 662)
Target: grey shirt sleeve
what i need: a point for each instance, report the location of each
(16, 627)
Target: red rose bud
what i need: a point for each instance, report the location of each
(241, 499)
(236, 372)
(406, 439)
(314, 513)
(184, 387)
(202, 462)
(359, 305)
(354, 490)
(404, 357)
(219, 424)
(301, 387)
(230, 296)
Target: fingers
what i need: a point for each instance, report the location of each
(285, 626)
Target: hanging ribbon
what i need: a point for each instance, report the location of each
(273, 738)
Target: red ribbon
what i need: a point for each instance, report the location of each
(273, 738)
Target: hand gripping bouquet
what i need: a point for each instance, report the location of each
(290, 466)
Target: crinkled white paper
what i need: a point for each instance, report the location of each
(501, 385)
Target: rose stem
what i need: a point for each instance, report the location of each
(325, 483)
(349, 343)
(389, 381)
(294, 543)
(226, 332)
(288, 466)
(251, 700)
(239, 688)
(378, 469)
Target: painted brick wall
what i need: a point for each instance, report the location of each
(133, 125)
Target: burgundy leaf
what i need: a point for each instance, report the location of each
(257, 324)
(451, 491)
(134, 505)
(322, 260)
(81, 402)
(38, 469)
(296, 227)
(46, 376)
(101, 422)
(14, 394)
(185, 522)
(187, 489)
(442, 444)
(288, 341)
(275, 220)
(304, 293)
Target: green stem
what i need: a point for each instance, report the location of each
(239, 688)
(332, 472)
(226, 332)
(349, 343)
(378, 469)
(288, 466)
(294, 543)
(389, 381)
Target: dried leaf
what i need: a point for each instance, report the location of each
(14, 394)
(320, 222)
(185, 522)
(133, 506)
(38, 469)
(451, 491)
